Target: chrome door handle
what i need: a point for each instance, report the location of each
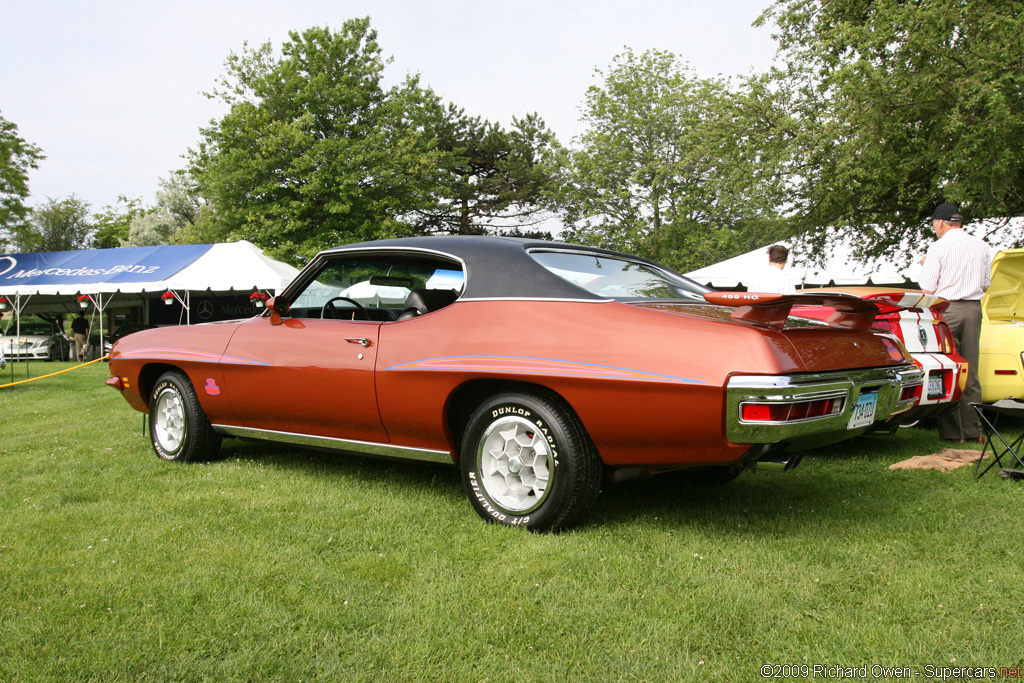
(362, 341)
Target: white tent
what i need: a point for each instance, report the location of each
(839, 269)
(61, 281)
(237, 266)
(375, 295)
(226, 267)
(234, 266)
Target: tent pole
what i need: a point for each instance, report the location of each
(17, 333)
(92, 317)
(18, 306)
(99, 296)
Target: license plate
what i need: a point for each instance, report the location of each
(864, 411)
(935, 388)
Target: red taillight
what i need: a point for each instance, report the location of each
(1006, 372)
(765, 412)
(885, 325)
(798, 411)
(945, 338)
(823, 408)
(791, 412)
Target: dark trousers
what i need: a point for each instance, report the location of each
(964, 318)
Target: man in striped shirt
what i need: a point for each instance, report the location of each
(957, 267)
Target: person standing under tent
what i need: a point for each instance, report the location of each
(80, 328)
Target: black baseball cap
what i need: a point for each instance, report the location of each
(947, 212)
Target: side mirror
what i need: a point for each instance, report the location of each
(277, 306)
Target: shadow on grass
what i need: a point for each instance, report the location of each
(847, 486)
(340, 464)
(781, 500)
(825, 494)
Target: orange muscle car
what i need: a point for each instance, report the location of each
(534, 366)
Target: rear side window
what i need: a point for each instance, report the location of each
(619, 278)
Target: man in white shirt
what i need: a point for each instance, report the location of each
(958, 267)
(772, 278)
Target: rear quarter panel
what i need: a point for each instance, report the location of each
(647, 384)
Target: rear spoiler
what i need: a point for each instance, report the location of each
(758, 308)
(889, 300)
(915, 301)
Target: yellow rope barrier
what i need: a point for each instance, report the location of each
(52, 374)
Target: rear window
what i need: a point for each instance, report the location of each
(619, 278)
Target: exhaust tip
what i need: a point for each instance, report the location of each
(778, 465)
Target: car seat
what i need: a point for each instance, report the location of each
(422, 301)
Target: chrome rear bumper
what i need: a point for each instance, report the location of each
(848, 385)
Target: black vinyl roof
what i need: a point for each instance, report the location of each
(496, 267)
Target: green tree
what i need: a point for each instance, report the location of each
(17, 157)
(56, 225)
(314, 152)
(490, 179)
(113, 223)
(903, 105)
(174, 217)
(681, 169)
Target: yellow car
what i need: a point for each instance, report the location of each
(1001, 364)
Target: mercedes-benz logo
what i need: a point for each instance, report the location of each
(205, 310)
(10, 260)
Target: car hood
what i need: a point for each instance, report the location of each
(29, 338)
(1004, 299)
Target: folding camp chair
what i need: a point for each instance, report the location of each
(996, 443)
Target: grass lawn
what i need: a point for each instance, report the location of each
(276, 564)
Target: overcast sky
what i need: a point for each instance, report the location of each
(111, 90)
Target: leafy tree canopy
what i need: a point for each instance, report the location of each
(674, 167)
(314, 152)
(114, 222)
(489, 179)
(16, 158)
(173, 219)
(56, 225)
(903, 105)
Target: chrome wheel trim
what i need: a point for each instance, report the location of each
(169, 421)
(515, 464)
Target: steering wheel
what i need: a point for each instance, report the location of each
(329, 310)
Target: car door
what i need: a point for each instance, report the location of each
(305, 376)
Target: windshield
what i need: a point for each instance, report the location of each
(618, 278)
